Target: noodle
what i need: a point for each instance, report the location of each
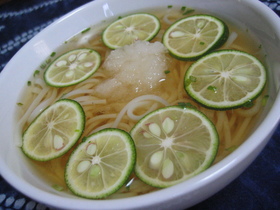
(252, 111)
(237, 139)
(233, 126)
(48, 101)
(232, 37)
(130, 111)
(137, 100)
(226, 130)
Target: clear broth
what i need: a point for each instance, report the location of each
(239, 127)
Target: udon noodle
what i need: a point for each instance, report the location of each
(233, 125)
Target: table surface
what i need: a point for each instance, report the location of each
(258, 187)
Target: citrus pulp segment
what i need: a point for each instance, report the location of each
(173, 144)
(225, 79)
(72, 67)
(53, 132)
(128, 29)
(191, 37)
(101, 164)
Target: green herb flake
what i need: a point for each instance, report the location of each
(28, 83)
(36, 72)
(48, 61)
(57, 187)
(19, 104)
(53, 54)
(77, 130)
(86, 30)
(188, 11)
(190, 80)
(84, 139)
(212, 88)
(183, 8)
(43, 65)
(232, 148)
(188, 105)
(202, 43)
(167, 72)
(62, 96)
(169, 6)
(264, 100)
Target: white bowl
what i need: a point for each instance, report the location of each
(13, 165)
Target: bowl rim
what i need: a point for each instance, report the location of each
(224, 166)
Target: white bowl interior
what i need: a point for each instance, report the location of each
(251, 14)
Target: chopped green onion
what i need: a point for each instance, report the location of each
(232, 148)
(183, 8)
(264, 100)
(84, 139)
(167, 72)
(48, 61)
(43, 65)
(212, 88)
(36, 72)
(63, 95)
(57, 187)
(188, 11)
(53, 54)
(189, 105)
(190, 80)
(86, 30)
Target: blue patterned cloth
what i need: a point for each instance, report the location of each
(258, 188)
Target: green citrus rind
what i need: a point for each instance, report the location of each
(191, 145)
(72, 67)
(104, 171)
(128, 29)
(225, 79)
(186, 35)
(42, 140)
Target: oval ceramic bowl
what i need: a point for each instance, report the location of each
(251, 14)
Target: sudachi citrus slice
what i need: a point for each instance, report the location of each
(128, 29)
(173, 144)
(225, 79)
(191, 37)
(53, 132)
(72, 67)
(101, 164)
